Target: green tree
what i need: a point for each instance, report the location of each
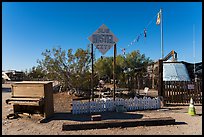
(69, 69)
(35, 73)
(104, 68)
(137, 64)
(80, 75)
(132, 66)
(73, 70)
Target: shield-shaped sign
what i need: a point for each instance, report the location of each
(103, 39)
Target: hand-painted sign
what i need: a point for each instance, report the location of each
(190, 86)
(103, 39)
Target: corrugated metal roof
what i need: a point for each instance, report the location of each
(175, 72)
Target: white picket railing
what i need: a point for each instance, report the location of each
(103, 105)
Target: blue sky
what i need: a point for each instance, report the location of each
(28, 28)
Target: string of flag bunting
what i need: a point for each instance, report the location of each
(142, 33)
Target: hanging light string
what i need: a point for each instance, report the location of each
(144, 32)
(138, 36)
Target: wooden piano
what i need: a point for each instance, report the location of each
(32, 97)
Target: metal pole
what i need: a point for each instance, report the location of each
(92, 73)
(162, 50)
(114, 63)
(195, 79)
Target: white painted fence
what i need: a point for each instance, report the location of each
(135, 103)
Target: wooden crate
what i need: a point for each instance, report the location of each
(32, 90)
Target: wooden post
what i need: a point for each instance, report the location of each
(92, 73)
(114, 63)
(138, 84)
(153, 76)
(160, 84)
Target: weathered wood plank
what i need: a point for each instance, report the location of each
(24, 99)
(26, 103)
(26, 90)
(118, 123)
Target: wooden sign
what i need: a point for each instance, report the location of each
(103, 39)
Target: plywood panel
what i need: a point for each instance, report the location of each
(49, 104)
(28, 90)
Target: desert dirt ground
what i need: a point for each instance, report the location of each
(25, 125)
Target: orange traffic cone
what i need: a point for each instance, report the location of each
(191, 109)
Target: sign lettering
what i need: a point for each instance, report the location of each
(98, 38)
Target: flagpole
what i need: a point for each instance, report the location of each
(194, 52)
(162, 50)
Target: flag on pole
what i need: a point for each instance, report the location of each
(158, 18)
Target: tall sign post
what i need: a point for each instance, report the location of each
(103, 39)
(92, 74)
(114, 63)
